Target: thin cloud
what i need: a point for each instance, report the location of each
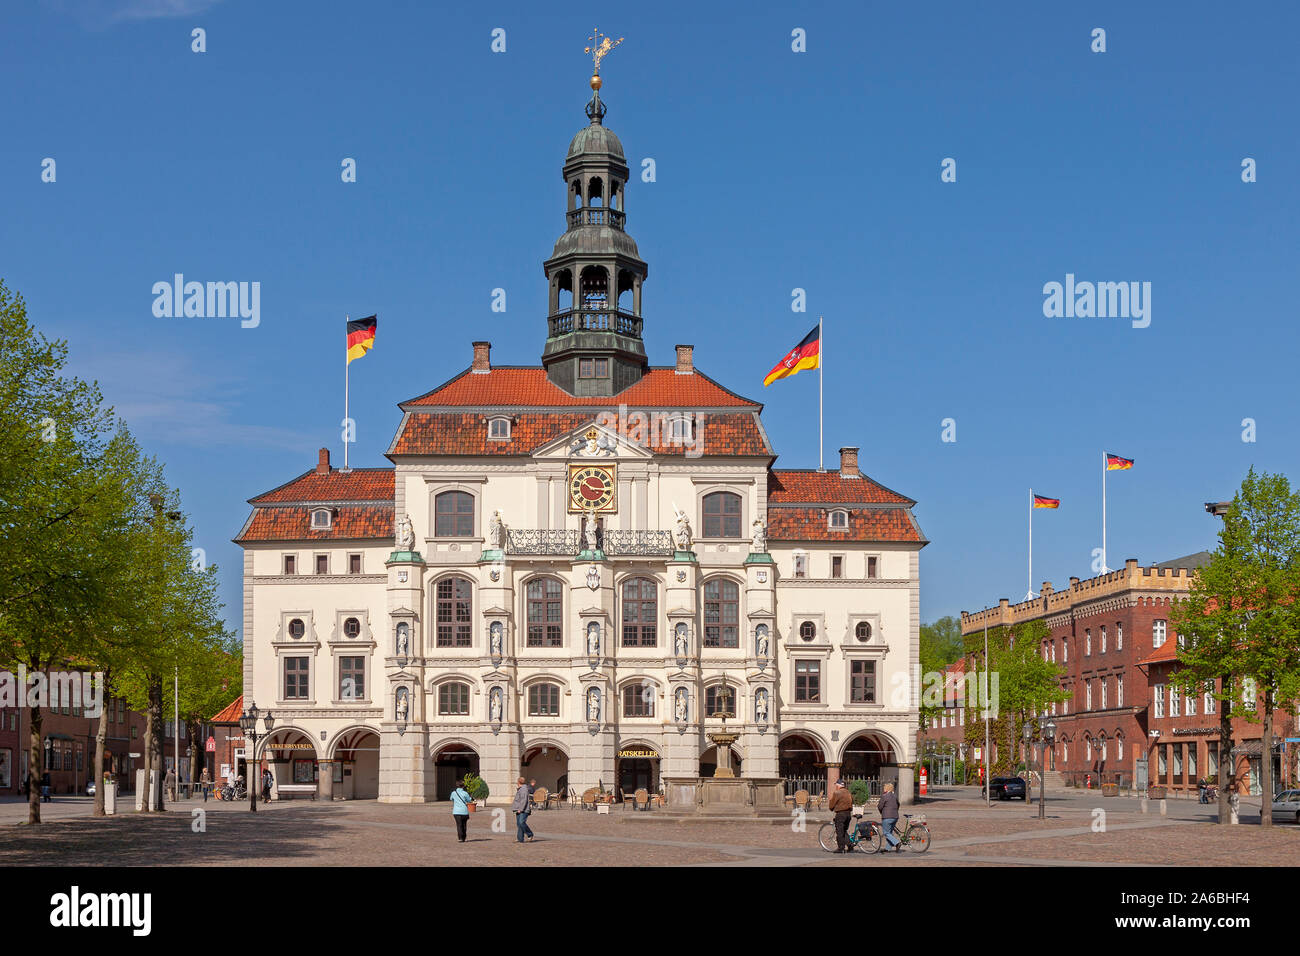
(98, 14)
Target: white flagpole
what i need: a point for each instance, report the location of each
(821, 365)
(988, 757)
(1104, 566)
(1029, 596)
(346, 383)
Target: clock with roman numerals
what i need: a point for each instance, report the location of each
(591, 488)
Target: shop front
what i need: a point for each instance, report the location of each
(638, 769)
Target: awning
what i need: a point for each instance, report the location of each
(1249, 748)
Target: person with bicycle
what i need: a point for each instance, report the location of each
(889, 816)
(841, 804)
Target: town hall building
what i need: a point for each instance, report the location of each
(587, 572)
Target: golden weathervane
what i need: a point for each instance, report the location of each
(599, 49)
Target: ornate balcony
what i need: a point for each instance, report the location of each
(596, 216)
(566, 543)
(595, 320)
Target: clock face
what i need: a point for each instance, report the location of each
(591, 488)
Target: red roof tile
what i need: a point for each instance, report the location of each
(291, 523)
(1168, 651)
(230, 713)
(871, 524)
(359, 484)
(790, 485)
(657, 388)
(451, 433)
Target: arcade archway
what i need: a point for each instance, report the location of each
(356, 765)
(451, 762)
(548, 765)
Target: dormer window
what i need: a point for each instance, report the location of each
(679, 428)
(499, 429)
(320, 519)
(839, 521)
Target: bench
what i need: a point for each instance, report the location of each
(286, 790)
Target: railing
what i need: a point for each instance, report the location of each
(595, 320)
(817, 785)
(596, 216)
(564, 542)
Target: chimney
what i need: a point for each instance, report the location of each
(849, 462)
(686, 360)
(323, 462)
(482, 357)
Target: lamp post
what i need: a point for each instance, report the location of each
(248, 724)
(1049, 740)
(1028, 732)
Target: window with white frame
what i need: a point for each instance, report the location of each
(1119, 748)
(1087, 748)
(1119, 691)
(1119, 635)
(1249, 694)
(1175, 702)
(1065, 650)
(1104, 681)
(873, 566)
(1208, 699)
(800, 565)
(1087, 643)
(1158, 699)
(1088, 694)
(1158, 629)
(499, 429)
(1190, 702)
(839, 520)
(1103, 639)
(320, 518)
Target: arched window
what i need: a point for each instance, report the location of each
(453, 699)
(839, 520)
(721, 613)
(718, 699)
(543, 700)
(453, 612)
(545, 613)
(453, 514)
(640, 613)
(722, 515)
(639, 700)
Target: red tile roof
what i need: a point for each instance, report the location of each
(657, 388)
(293, 523)
(359, 484)
(868, 524)
(452, 433)
(791, 485)
(1168, 651)
(230, 713)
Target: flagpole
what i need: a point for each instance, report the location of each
(821, 364)
(346, 388)
(1030, 594)
(988, 757)
(1104, 567)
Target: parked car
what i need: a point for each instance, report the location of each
(1008, 788)
(90, 788)
(1287, 804)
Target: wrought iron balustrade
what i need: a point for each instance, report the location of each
(638, 542)
(596, 320)
(597, 216)
(559, 541)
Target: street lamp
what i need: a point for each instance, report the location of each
(1049, 740)
(248, 724)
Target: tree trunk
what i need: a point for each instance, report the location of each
(101, 733)
(36, 766)
(147, 757)
(155, 739)
(195, 731)
(1227, 763)
(1266, 763)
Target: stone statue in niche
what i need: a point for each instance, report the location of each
(593, 705)
(494, 705)
(495, 639)
(497, 532)
(405, 536)
(758, 540)
(681, 641)
(760, 705)
(593, 639)
(679, 705)
(403, 704)
(403, 639)
(763, 643)
(682, 531)
(589, 539)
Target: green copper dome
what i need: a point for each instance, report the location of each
(598, 140)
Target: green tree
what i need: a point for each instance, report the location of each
(941, 645)
(1241, 621)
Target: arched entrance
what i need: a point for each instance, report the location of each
(864, 755)
(637, 769)
(356, 766)
(291, 757)
(450, 764)
(709, 761)
(548, 765)
(800, 756)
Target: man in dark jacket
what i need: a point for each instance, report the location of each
(841, 804)
(522, 806)
(889, 816)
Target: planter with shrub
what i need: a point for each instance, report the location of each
(476, 788)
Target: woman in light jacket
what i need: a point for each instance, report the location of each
(460, 799)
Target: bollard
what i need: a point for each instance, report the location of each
(1164, 808)
(1142, 805)
(110, 797)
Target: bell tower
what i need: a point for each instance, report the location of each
(593, 336)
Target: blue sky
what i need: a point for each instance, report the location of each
(775, 170)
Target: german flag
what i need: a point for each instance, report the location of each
(361, 337)
(1116, 463)
(1041, 502)
(807, 354)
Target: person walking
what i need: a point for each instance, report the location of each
(460, 799)
(205, 783)
(523, 805)
(889, 816)
(267, 781)
(169, 782)
(841, 804)
(45, 788)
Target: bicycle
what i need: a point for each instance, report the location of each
(915, 835)
(237, 792)
(870, 843)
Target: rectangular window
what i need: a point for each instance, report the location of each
(593, 368)
(837, 566)
(295, 678)
(1191, 760)
(1212, 758)
(801, 565)
(1119, 691)
(1088, 690)
(638, 701)
(453, 699)
(1119, 635)
(1178, 761)
(1104, 681)
(544, 700)
(862, 682)
(352, 678)
(1158, 700)
(1249, 695)
(1103, 639)
(354, 564)
(1065, 650)
(872, 565)
(322, 564)
(1175, 702)
(290, 564)
(1209, 697)
(1158, 630)
(807, 682)
(1190, 704)
(1163, 761)
(1087, 643)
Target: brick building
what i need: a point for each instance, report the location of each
(1114, 636)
